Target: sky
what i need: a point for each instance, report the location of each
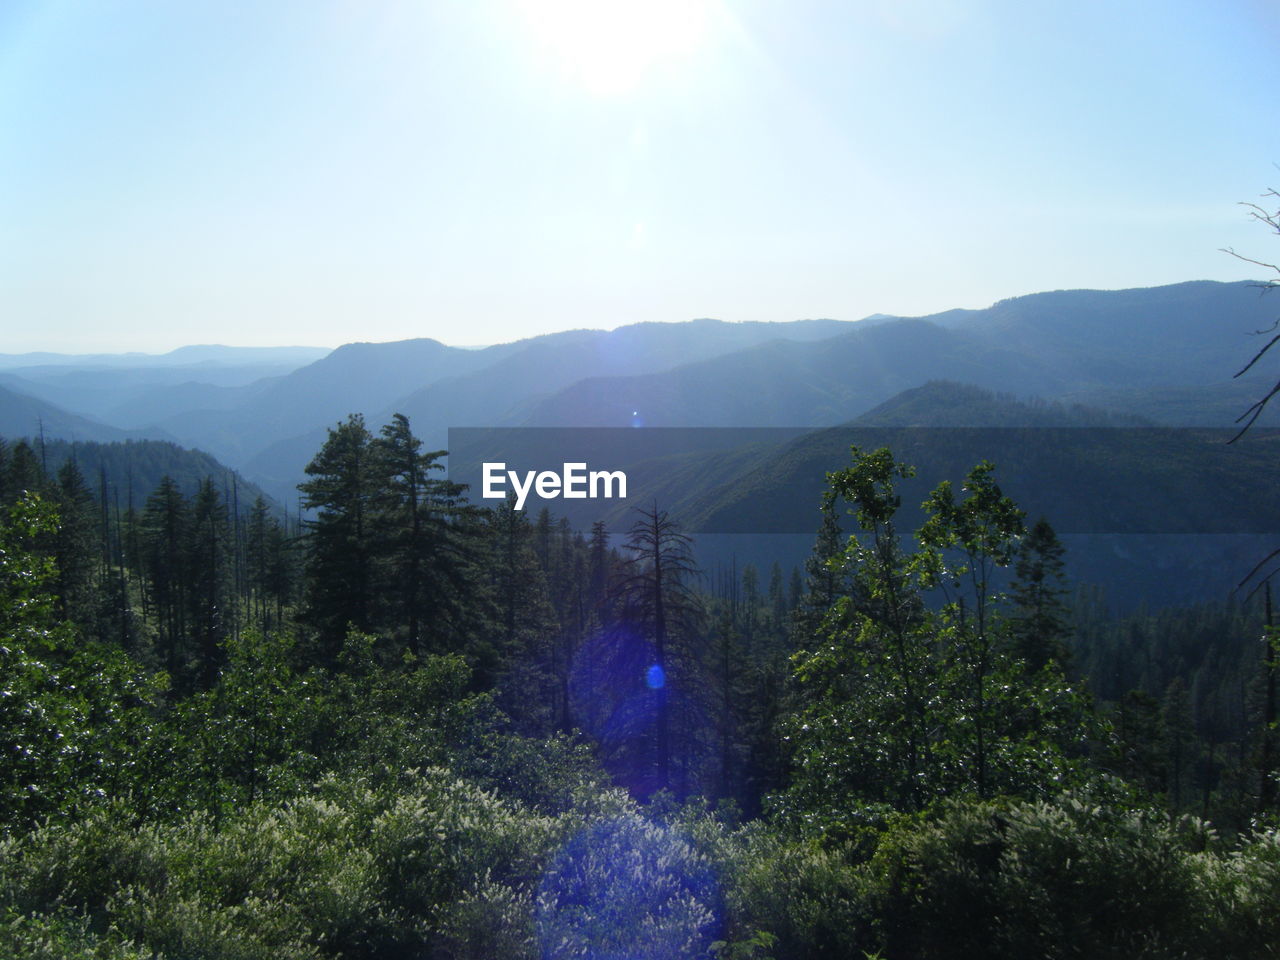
(323, 171)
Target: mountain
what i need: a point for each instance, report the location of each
(22, 415)
(356, 377)
(946, 403)
(132, 391)
(199, 354)
(503, 392)
(1185, 334)
(499, 384)
(1089, 470)
(1124, 349)
(138, 408)
(132, 469)
(1166, 354)
(1146, 510)
(787, 383)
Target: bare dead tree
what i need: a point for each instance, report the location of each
(1271, 220)
(1260, 576)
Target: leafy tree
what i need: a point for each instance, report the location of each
(246, 735)
(903, 699)
(72, 714)
(982, 530)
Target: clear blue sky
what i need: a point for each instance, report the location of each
(479, 170)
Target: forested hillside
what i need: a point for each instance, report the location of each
(415, 727)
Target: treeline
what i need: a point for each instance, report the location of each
(1190, 697)
(168, 578)
(407, 726)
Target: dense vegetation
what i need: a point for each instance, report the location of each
(414, 728)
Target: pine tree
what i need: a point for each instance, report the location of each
(521, 660)
(75, 545)
(255, 561)
(423, 542)
(209, 566)
(340, 573)
(777, 597)
(164, 557)
(25, 474)
(599, 566)
(1178, 735)
(826, 580)
(656, 598)
(1040, 615)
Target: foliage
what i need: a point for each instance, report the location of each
(627, 887)
(1068, 877)
(430, 863)
(906, 699)
(61, 937)
(417, 755)
(71, 714)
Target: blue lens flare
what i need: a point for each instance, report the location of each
(628, 887)
(655, 678)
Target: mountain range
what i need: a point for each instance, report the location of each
(1165, 355)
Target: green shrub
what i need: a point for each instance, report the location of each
(808, 899)
(61, 937)
(627, 887)
(1068, 878)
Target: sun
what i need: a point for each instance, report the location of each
(613, 47)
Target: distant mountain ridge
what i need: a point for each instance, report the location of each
(1166, 354)
(1078, 345)
(500, 383)
(206, 354)
(791, 383)
(22, 415)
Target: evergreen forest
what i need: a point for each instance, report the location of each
(400, 725)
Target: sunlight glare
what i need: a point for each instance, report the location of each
(611, 47)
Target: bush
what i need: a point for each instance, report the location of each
(627, 887)
(61, 937)
(1069, 878)
(809, 900)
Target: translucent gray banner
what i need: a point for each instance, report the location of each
(1121, 480)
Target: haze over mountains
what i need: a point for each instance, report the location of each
(1166, 354)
